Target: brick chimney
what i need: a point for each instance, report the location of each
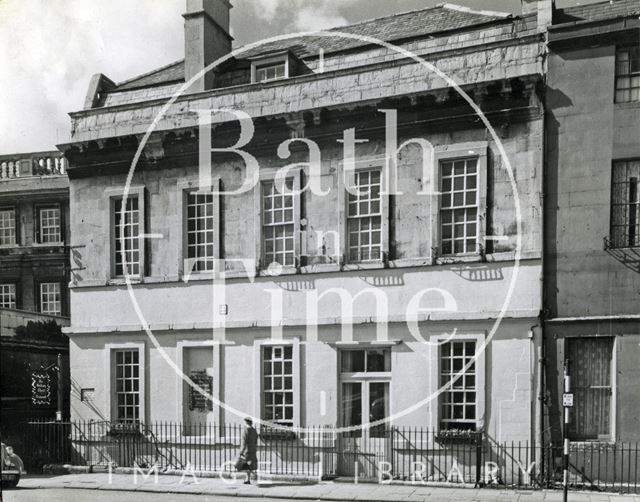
(544, 9)
(206, 38)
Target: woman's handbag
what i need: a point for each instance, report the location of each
(241, 464)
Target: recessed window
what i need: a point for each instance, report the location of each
(127, 246)
(8, 296)
(459, 206)
(625, 204)
(277, 384)
(200, 231)
(269, 72)
(364, 217)
(127, 386)
(49, 225)
(458, 408)
(278, 224)
(591, 384)
(628, 74)
(50, 298)
(7, 226)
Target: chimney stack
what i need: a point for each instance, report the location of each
(543, 8)
(206, 38)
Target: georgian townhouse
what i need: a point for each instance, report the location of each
(343, 305)
(592, 222)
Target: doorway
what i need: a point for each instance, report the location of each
(365, 377)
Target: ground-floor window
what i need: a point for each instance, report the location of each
(590, 361)
(458, 408)
(277, 384)
(127, 386)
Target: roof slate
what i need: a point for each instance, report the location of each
(432, 20)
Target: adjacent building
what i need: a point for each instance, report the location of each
(592, 221)
(34, 275)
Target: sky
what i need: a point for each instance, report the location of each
(50, 48)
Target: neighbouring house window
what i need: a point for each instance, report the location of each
(7, 226)
(50, 298)
(364, 217)
(365, 376)
(625, 204)
(200, 231)
(127, 386)
(129, 244)
(49, 225)
(278, 225)
(458, 401)
(628, 74)
(590, 362)
(8, 296)
(459, 206)
(267, 73)
(277, 384)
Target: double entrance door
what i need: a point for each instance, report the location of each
(364, 443)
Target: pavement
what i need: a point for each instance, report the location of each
(324, 490)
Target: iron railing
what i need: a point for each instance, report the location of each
(411, 454)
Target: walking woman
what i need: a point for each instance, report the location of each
(249, 449)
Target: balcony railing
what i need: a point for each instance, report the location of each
(32, 164)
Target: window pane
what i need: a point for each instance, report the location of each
(7, 227)
(126, 235)
(8, 296)
(459, 203)
(127, 386)
(457, 402)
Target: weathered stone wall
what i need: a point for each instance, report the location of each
(587, 132)
(507, 379)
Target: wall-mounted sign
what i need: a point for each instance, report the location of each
(41, 388)
(198, 402)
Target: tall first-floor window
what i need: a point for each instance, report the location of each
(200, 231)
(590, 362)
(278, 224)
(50, 298)
(8, 296)
(625, 204)
(459, 206)
(277, 384)
(364, 217)
(126, 247)
(458, 373)
(127, 385)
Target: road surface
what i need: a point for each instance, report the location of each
(76, 495)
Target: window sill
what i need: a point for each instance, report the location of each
(121, 281)
(461, 258)
(627, 105)
(320, 268)
(277, 272)
(367, 265)
(47, 244)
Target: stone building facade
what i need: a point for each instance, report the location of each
(34, 230)
(592, 211)
(298, 308)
